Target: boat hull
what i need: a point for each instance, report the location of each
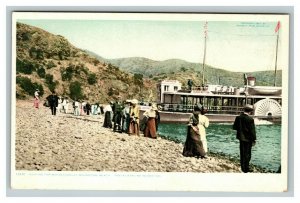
(178, 117)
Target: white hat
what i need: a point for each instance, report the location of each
(134, 101)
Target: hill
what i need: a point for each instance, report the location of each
(183, 70)
(49, 62)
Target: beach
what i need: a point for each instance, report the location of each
(65, 142)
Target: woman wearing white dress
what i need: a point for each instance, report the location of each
(203, 123)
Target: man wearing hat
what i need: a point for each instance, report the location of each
(117, 111)
(244, 125)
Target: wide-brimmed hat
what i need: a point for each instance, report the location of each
(248, 107)
(134, 101)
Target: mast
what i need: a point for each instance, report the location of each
(203, 64)
(276, 30)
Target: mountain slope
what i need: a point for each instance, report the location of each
(49, 62)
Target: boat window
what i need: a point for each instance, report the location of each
(175, 88)
(166, 88)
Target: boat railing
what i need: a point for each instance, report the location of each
(211, 109)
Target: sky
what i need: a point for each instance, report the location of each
(231, 45)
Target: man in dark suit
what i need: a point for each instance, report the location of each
(53, 102)
(244, 125)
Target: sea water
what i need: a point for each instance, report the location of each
(221, 139)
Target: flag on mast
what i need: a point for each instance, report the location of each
(277, 27)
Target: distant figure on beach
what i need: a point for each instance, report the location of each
(150, 114)
(157, 117)
(193, 146)
(88, 108)
(36, 99)
(134, 118)
(53, 102)
(246, 134)
(107, 116)
(65, 105)
(117, 110)
(126, 116)
(76, 106)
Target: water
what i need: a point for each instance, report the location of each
(222, 140)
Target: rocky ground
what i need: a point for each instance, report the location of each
(68, 143)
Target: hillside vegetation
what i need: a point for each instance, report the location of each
(49, 62)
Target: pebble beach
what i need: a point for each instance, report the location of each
(65, 142)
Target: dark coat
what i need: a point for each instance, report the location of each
(244, 125)
(52, 100)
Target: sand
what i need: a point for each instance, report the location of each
(66, 142)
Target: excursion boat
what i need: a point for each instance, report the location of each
(223, 103)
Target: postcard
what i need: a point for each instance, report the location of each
(150, 101)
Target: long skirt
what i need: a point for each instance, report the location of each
(193, 145)
(125, 125)
(107, 120)
(150, 130)
(36, 103)
(134, 128)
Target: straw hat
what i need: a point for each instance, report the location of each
(248, 107)
(134, 101)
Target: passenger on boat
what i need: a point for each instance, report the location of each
(134, 118)
(150, 130)
(193, 146)
(246, 134)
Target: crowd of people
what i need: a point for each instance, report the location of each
(124, 117)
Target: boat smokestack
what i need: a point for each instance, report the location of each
(251, 81)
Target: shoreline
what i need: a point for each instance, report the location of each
(79, 143)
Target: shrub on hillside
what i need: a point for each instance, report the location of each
(50, 64)
(25, 66)
(76, 90)
(28, 86)
(41, 72)
(51, 84)
(92, 79)
(66, 74)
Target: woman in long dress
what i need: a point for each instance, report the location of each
(107, 116)
(134, 128)
(193, 146)
(36, 99)
(150, 130)
(203, 124)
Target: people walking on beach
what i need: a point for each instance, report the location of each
(193, 146)
(126, 116)
(36, 99)
(150, 114)
(134, 118)
(117, 110)
(246, 134)
(53, 102)
(107, 116)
